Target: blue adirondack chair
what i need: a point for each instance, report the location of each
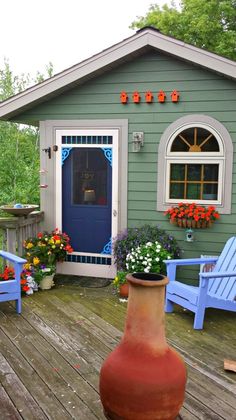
(217, 289)
(11, 289)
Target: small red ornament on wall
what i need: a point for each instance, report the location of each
(149, 97)
(136, 98)
(123, 97)
(175, 96)
(161, 96)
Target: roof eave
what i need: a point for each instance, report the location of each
(110, 57)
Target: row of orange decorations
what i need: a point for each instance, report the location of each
(149, 97)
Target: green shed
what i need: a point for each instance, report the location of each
(128, 133)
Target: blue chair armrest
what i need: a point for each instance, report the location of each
(11, 257)
(191, 261)
(212, 275)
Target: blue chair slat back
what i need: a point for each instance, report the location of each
(225, 288)
(220, 293)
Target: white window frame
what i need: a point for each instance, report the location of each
(197, 161)
(224, 158)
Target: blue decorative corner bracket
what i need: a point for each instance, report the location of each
(65, 152)
(107, 248)
(108, 154)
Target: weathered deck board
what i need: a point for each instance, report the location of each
(8, 411)
(51, 355)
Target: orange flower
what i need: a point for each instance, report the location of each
(191, 211)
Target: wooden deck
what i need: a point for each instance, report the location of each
(51, 356)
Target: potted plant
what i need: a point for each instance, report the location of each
(132, 238)
(43, 252)
(44, 276)
(148, 258)
(191, 215)
(28, 285)
(121, 284)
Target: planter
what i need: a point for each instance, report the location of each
(47, 282)
(191, 224)
(143, 378)
(124, 290)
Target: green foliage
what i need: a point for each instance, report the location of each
(19, 146)
(119, 279)
(135, 237)
(19, 164)
(207, 24)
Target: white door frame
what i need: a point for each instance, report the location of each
(77, 268)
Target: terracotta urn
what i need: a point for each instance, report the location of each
(143, 378)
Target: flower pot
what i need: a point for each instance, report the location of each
(143, 378)
(47, 282)
(124, 290)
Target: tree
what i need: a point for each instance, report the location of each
(207, 24)
(19, 147)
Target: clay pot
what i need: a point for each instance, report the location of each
(143, 378)
(124, 290)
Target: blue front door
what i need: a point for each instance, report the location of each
(87, 193)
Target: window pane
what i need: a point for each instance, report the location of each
(211, 172)
(194, 172)
(195, 136)
(89, 176)
(193, 191)
(177, 172)
(210, 191)
(179, 145)
(177, 191)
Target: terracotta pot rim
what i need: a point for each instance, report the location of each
(142, 281)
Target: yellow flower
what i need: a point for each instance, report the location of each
(36, 260)
(28, 254)
(29, 245)
(58, 241)
(116, 281)
(27, 266)
(51, 241)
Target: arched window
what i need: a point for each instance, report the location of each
(195, 163)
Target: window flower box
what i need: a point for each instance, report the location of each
(190, 215)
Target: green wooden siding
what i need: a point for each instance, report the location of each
(201, 91)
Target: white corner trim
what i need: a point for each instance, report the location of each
(110, 56)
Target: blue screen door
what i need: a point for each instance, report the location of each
(87, 197)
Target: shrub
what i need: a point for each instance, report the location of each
(134, 237)
(148, 258)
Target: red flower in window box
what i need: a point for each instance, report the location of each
(191, 215)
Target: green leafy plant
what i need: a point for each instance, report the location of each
(119, 279)
(134, 237)
(148, 258)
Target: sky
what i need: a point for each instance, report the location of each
(64, 32)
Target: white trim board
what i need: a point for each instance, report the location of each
(97, 64)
